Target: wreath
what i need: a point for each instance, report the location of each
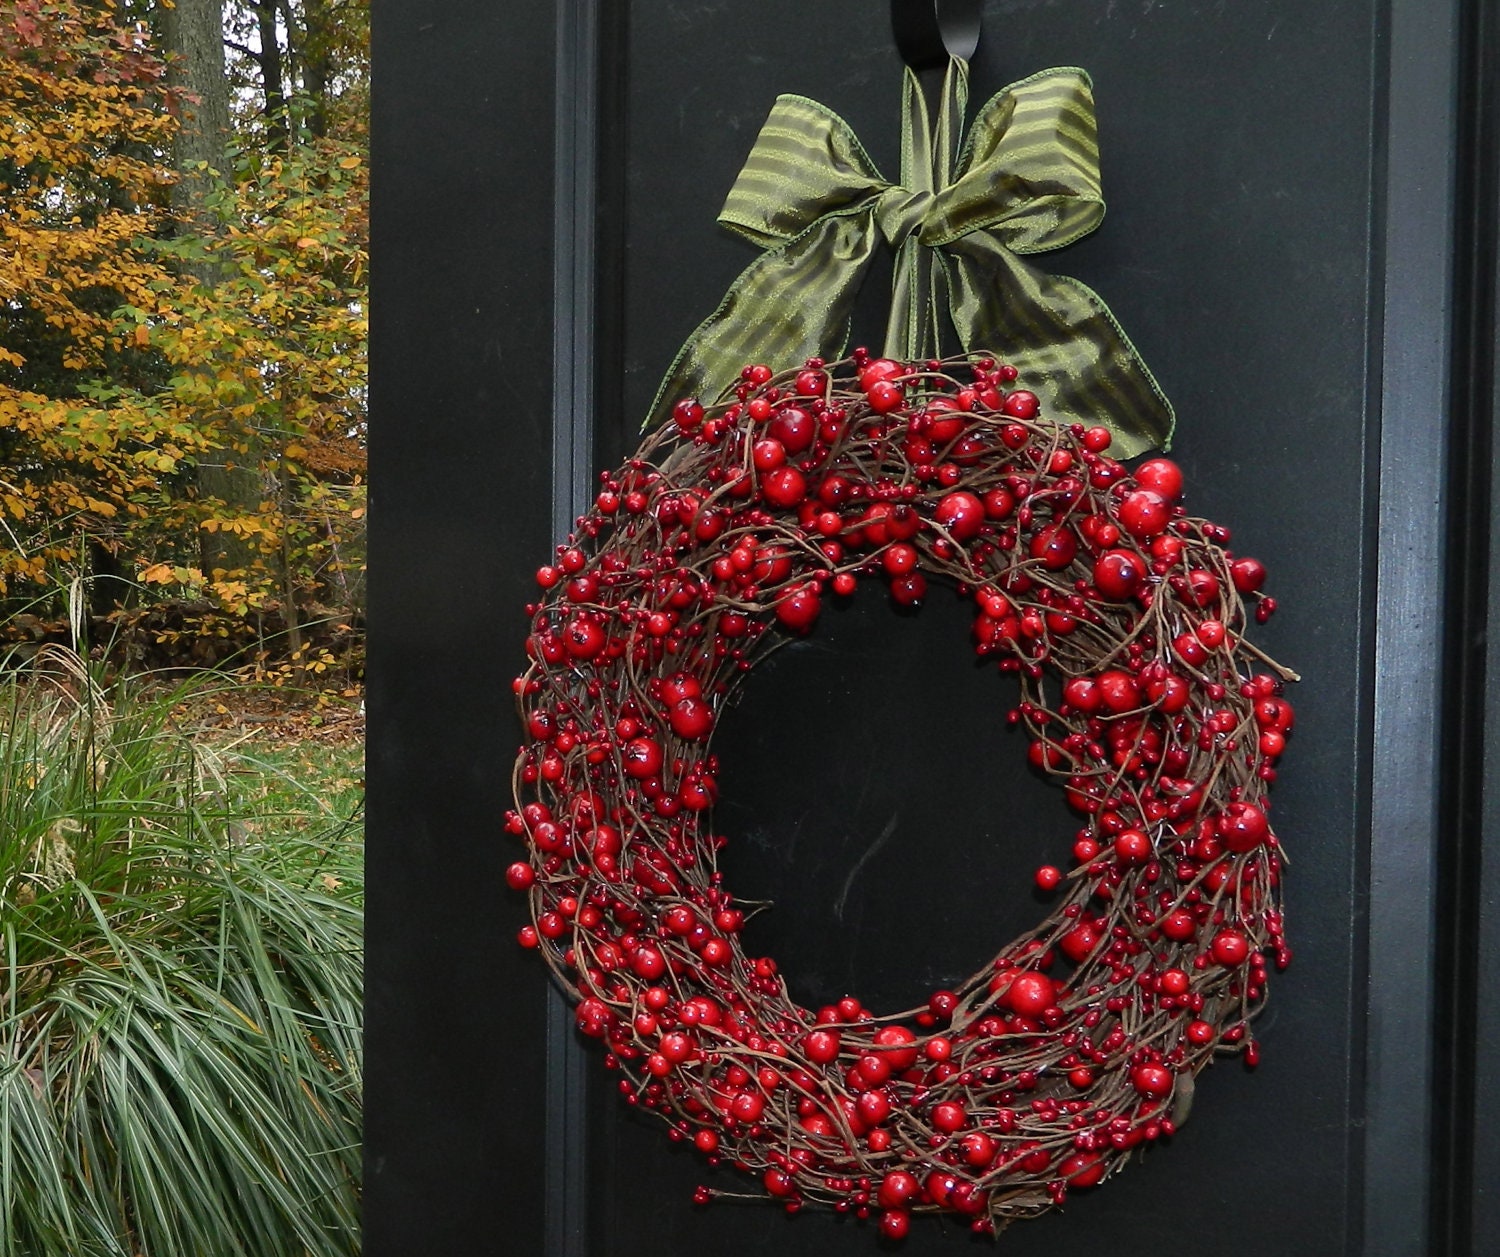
(1122, 617)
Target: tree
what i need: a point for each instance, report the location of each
(86, 121)
(161, 314)
(192, 34)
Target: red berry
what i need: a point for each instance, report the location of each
(1243, 827)
(884, 396)
(1211, 633)
(1078, 942)
(873, 1107)
(899, 559)
(1048, 877)
(691, 718)
(778, 1182)
(894, 1045)
(1248, 575)
(799, 609)
(1031, 994)
(1203, 587)
(1118, 690)
(977, 1148)
(642, 758)
(1119, 573)
(879, 369)
(687, 414)
(1175, 982)
(1152, 1081)
(1082, 1169)
(520, 876)
(1055, 545)
(1160, 475)
(999, 504)
(582, 638)
(1190, 649)
(794, 427)
(1133, 847)
(961, 513)
(767, 454)
(1179, 926)
(1021, 404)
(909, 590)
(747, 1106)
(821, 1046)
(784, 487)
(897, 1188)
(810, 383)
(1082, 694)
(1143, 514)
(1230, 948)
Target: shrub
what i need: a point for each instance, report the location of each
(180, 1062)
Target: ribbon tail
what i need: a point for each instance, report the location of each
(1057, 332)
(790, 304)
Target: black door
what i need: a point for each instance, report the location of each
(1299, 241)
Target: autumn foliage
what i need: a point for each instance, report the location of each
(121, 369)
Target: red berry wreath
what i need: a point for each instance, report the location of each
(1122, 616)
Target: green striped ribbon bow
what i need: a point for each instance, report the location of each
(1025, 180)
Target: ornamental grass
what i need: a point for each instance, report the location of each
(180, 987)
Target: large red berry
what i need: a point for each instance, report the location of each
(897, 1188)
(688, 414)
(1082, 1169)
(1230, 947)
(1021, 404)
(1119, 573)
(884, 396)
(961, 513)
(1248, 575)
(799, 609)
(784, 487)
(1031, 994)
(1243, 827)
(642, 758)
(1143, 514)
(691, 718)
(878, 370)
(1160, 475)
(1152, 1080)
(794, 427)
(1055, 545)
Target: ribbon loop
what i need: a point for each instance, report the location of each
(1026, 181)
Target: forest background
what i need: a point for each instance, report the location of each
(183, 314)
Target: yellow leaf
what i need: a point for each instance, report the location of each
(349, 163)
(157, 574)
(307, 242)
(142, 335)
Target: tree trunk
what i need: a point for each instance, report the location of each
(194, 31)
(317, 43)
(272, 76)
